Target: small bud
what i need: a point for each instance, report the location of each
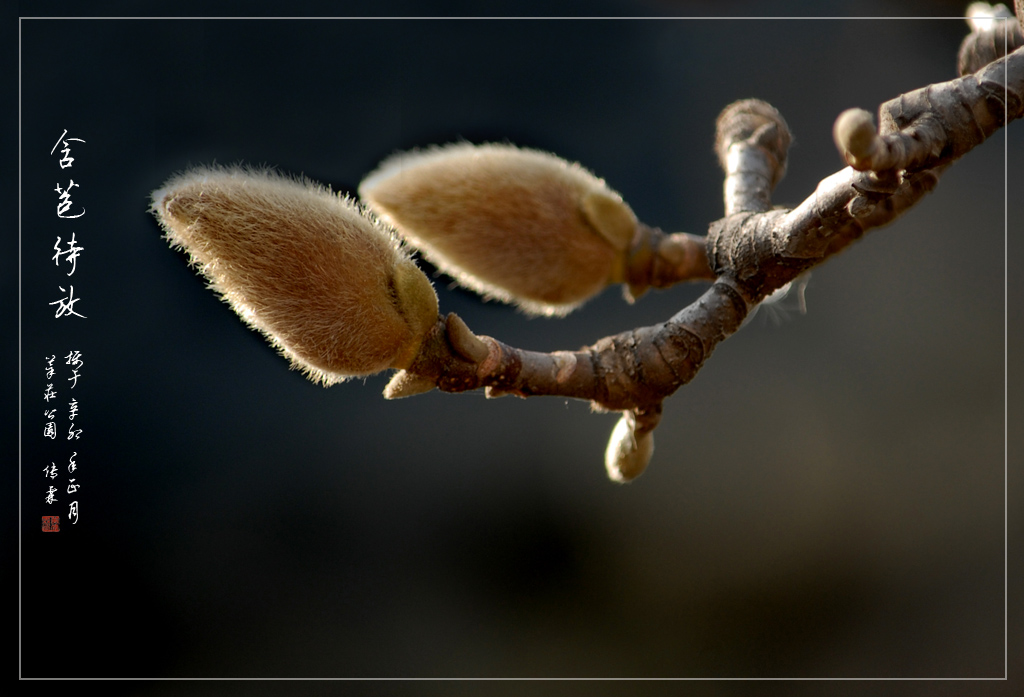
(464, 341)
(328, 284)
(628, 454)
(855, 136)
(406, 384)
(518, 225)
(981, 16)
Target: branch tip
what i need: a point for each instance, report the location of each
(856, 136)
(981, 16)
(752, 141)
(994, 33)
(757, 123)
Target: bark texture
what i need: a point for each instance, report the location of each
(751, 252)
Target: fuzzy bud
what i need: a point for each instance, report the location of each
(521, 226)
(628, 452)
(328, 284)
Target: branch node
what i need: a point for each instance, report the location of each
(660, 260)
(565, 364)
(492, 360)
(860, 206)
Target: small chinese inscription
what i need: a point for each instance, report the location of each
(57, 484)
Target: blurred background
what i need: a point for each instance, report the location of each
(827, 498)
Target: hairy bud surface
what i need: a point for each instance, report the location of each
(327, 283)
(518, 225)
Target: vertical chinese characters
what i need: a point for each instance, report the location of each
(49, 426)
(49, 431)
(60, 391)
(65, 206)
(73, 359)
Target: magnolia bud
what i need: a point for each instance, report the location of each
(518, 225)
(628, 454)
(324, 281)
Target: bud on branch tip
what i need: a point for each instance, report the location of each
(327, 283)
(855, 136)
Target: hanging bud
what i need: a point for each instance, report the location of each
(628, 452)
(324, 281)
(518, 225)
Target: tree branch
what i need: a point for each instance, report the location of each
(753, 251)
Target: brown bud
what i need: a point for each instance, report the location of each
(327, 283)
(518, 225)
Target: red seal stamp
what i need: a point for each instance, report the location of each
(51, 523)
